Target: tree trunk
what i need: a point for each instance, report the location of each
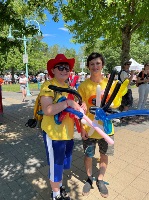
(126, 38)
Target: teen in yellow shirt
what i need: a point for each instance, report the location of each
(87, 89)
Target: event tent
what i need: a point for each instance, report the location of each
(134, 66)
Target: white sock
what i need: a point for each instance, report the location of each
(60, 184)
(56, 193)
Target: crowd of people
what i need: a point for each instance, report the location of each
(74, 79)
(8, 79)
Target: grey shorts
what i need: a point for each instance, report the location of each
(22, 87)
(89, 146)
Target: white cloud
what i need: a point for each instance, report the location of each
(63, 29)
(49, 35)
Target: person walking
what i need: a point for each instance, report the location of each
(87, 89)
(127, 99)
(23, 84)
(143, 86)
(58, 138)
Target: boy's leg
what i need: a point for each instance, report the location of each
(55, 151)
(89, 150)
(105, 150)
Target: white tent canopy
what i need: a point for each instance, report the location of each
(82, 73)
(134, 66)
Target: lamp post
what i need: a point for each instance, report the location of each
(82, 64)
(25, 60)
(25, 39)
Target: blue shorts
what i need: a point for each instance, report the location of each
(59, 156)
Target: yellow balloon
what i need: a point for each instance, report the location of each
(113, 87)
(117, 102)
(123, 89)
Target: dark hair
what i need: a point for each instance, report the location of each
(127, 63)
(95, 55)
(146, 64)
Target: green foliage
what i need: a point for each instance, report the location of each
(117, 29)
(115, 21)
(139, 49)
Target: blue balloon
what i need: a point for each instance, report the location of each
(69, 110)
(128, 113)
(106, 118)
(100, 114)
(56, 117)
(40, 112)
(75, 112)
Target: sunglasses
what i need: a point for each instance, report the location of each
(61, 68)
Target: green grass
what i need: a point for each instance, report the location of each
(16, 87)
(32, 86)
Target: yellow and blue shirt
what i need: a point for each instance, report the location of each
(64, 131)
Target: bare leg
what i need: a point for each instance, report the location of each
(102, 166)
(88, 184)
(102, 169)
(88, 165)
(23, 94)
(125, 108)
(55, 186)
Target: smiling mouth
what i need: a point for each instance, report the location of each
(64, 74)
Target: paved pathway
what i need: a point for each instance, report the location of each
(23, 167)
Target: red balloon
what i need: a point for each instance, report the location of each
(62, 116)
(77, 123)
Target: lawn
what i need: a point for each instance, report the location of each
(32, 87)
(16, 87)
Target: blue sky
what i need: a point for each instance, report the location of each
(56, 33)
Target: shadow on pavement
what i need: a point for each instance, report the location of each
(23, 165)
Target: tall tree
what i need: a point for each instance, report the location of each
(114, 21)
(16, 13)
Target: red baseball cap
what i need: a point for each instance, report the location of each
(60, 58)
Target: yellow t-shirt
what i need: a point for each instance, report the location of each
(87, 89)
(64, 131)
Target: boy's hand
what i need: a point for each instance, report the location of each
(84, 134)
(84, 107)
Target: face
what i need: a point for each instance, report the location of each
(147, 68)
(61, 71)
(126, 67)
(95, 66)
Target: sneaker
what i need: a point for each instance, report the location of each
(64, 193)
(102, 188)
(58, 197)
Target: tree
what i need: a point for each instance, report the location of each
(139, 50)
(16, 13)
(114, 21)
